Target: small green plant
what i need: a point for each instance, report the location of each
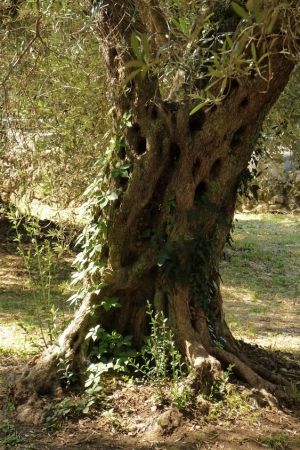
(68, 407)
(181, 394)
(9, 431)
(161, 363)
(112, 351)
(275, 441)
(160, 358)
(295, 393)
(114, 421)
(7, 428)
(67, 376)
(112, 348)
(218, 389)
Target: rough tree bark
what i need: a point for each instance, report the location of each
(185, 172)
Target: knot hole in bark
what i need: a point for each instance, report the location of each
(174, 153)
(140, 143)
(141, 146)
(196, 121)
(237, 138)
(200, 190)
(122, 153)
(215, 169)
(234, 85)
(154, 113)
(244, 102)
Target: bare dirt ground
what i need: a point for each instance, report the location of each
(138, 416)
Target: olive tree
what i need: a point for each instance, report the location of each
(191, 84)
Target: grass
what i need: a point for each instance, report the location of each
(21, 310)
(279, 441)
(261, 287)
(261, 280)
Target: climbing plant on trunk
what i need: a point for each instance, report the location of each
(190, 90)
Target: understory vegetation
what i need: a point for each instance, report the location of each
(260, 275)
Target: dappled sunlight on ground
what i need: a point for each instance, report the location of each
(261, 281)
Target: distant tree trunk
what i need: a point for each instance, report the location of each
(167, 230)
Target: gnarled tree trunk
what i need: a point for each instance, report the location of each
(167, 230)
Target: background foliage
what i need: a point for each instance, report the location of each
(53, 102)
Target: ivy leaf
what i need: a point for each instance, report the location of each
(112, 196)
(109, 303)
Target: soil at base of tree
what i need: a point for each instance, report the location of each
(139, 416)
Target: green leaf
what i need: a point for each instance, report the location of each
(253, 6)
(176, 23)
(184, 27)
(131, 76)
(253, 51)
(146, 48)
(240, 11)
(103, 202)
(198, 107)
(134, 63)
(112, 196)
(135, 44)
(229, 41)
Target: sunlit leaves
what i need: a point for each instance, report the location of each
(141, 50)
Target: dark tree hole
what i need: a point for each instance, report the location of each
(159, 149)
(114, 52)
(77, 351)
(44, 390)
(213, 108)
(122, 153)
(252, 74)
(117, 203)
(141, 146)
(174, 152)
(105, 251)
(122, 183)
(244, 102)
(200, 190)
(196, 121)
(154, 113)
(196, 168)
(234, 84)
(237, 138)
(215, 169)
(135, 128)
(74, 340)
(129, 259)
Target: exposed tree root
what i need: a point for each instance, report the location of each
(255, 375)
(41, 377)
